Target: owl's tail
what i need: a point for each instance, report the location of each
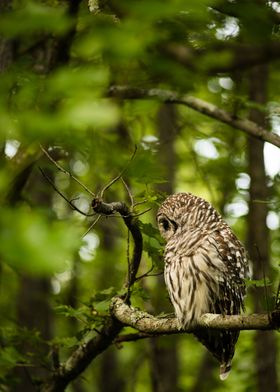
(225, 369)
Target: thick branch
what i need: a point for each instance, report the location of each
(147, 323)
(200, 106)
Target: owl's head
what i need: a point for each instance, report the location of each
(184, 211)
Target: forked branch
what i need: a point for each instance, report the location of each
(132, 224)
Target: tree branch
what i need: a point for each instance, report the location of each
(148, 324)
(200, 106)
(90, 349)
(132, 224)
(242, 56)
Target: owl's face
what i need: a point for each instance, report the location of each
(167, 226)
(172, 213)
(182, 212)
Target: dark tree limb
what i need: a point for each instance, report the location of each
(203, 107)
(90, 349)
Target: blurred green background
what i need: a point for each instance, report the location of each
(57, 62)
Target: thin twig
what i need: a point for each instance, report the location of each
(133, 226)
(145, 274)
(126, 216)
(140, 202)
(128, 192)
(66, 172)
(62, 195)
(92, 225)
(148, 275)
(132, 337)
(120, 175)
(142, 213)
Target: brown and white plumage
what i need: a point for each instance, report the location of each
(205, 267)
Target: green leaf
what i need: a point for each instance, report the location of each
(145, 167)
(34, 17)
(149, 230)
(139, 292)
(258, 282)
(9, 358)
(69, 311)
(32, 243)
(104, 295)
(67, 342)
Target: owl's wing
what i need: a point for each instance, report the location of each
(228, 299)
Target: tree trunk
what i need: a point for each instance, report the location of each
(164, 352)
(258, 234)
(33, 307)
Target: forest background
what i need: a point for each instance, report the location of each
(128, 101)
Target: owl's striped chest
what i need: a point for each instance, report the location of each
(192, 285)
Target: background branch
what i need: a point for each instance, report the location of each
(200, 106)
(242, 56)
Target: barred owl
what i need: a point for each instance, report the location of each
(205, 267)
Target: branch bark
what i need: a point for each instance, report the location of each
(203, 107)
(146, 323)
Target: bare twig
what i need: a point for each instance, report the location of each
(203, 107)
(148, 275)
(132, 337)
(119, 175)
(132, 224)
(92, 225)
(68, 173)
(128, 192)
(70, 202)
